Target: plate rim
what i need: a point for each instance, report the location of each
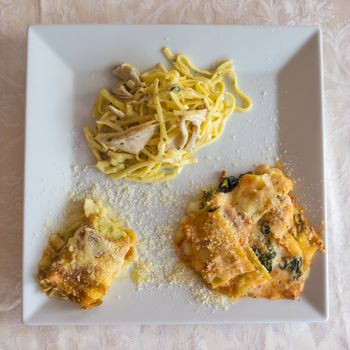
(32, 30)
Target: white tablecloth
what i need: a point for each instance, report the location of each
(332, 16)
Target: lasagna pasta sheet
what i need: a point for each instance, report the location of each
(248, 237)
(211, 248)
(81, 261)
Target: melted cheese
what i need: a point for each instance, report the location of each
(256, 194)
(212, 249)
(268, 229)
(81, 263)
(240, 285)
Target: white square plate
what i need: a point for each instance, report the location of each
(279, 67)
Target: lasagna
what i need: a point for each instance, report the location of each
(249, 237)
(82, 260)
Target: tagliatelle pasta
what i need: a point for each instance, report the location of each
(150, 125)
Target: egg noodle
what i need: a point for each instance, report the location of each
(154, 123)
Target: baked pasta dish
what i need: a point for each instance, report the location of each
(81, 261)
(249, 237)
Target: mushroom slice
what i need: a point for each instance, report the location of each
(121, 92)
(130, 84)
(132, 140)
(195, 134)
(126, 72)
(196, 118)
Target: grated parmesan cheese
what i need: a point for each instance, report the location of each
(154, 212)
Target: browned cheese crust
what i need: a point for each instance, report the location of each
(81, 263)
(248, 237)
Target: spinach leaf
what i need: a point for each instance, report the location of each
(228, 184)
(265, 258)
(207, 197)
(210, 210)
(292, 265)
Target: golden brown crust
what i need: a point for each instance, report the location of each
(269, 229)
(280, 286)
(81, 264)
(211, 248)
